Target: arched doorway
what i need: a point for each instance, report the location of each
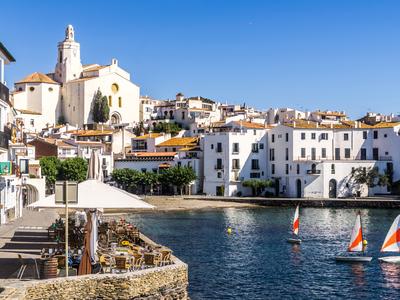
(298, 188)
(115, 118)
(30, 195)
(332, 188)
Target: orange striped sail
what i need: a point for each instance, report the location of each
(392, 240)
(356, 236)
(296, 221)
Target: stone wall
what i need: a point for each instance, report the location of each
(161, 283)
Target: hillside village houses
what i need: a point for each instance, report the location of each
(304, 153)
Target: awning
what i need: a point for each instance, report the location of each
(95, 194)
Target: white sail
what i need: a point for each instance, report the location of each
(356, 236)
(296, 221)
(392, 240)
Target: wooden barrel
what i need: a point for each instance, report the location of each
(48, 268)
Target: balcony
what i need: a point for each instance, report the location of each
(4, 93)
(4, 139)
(313, 172)
(219, 167)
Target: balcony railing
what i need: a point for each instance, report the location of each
(217, 167)
(313, 172)
(320, 158)
(4, 93)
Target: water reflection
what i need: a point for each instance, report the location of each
(358, 272)
(391, 274)
(296, 255)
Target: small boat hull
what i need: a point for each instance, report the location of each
(294, 241)
(390, 259)
(353, 258)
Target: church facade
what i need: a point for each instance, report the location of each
(66, 95)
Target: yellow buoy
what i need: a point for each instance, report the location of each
(229, 230)
(365, 242)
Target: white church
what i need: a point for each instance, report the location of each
(66, 95)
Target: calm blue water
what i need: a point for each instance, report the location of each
(256, 262)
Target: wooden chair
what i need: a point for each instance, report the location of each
(138, 263)
(122, 264)
(165, 258)
(106, 263)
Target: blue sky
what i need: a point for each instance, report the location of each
(342, 55)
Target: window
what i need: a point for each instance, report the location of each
(50, 89)
(119, 101)
(179, 163)
(375, 134)
(303, 152)
(31, 88)
(324, 136)
(144, 170)
(183, 115)
(346, 136)
(261, 146)
(254, 175)
(313, 153)
(219, 174)
(109, 100)
(323, 152)
(298, 169)
(303, 135)
(287, 137)
(272, 154)
(273, 169)
(212, 146)
(155, 170)
(375, 153)
(385, 135)
(273, 138)
(347, 153)
(254, 147)
(313, 135)
(219, 164)
(287, 169)
(365, 135)
(235, 148)
(332, 168)
(287, 153)
(235, 164)
(114, 88)
(255, 132)
(255, 164)
(363, 153)
(32, 122)
(219, 147)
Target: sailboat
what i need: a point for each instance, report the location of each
(356, 244)
(295, 228)
(392, 242)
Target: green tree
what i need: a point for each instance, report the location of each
(50, 166)
(172, 128)
(370, 177)
(100, 108)
(257, 185)
(148, 179)
(178, 176)
(73, 169)
(128, 179)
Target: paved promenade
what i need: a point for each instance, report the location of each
(25, 236)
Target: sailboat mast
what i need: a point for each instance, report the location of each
(362, 232)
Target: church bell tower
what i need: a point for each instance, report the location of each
(69, 65)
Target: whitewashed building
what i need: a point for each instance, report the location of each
(66, 94)
(310, 159)
(234, 152)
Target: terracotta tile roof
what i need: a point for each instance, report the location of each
(153, 154)
(56, 142)
(386, 124)
(89, 143)
(95, 68)
(37, 78)
(90, 132)
(28, 112)
(148, 136)
(182, 141)
(249, 125)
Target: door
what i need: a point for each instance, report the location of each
(332, 188)
(298, 188)
(277, 187)
(313, 154)
(220, 190)
(337, 153)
